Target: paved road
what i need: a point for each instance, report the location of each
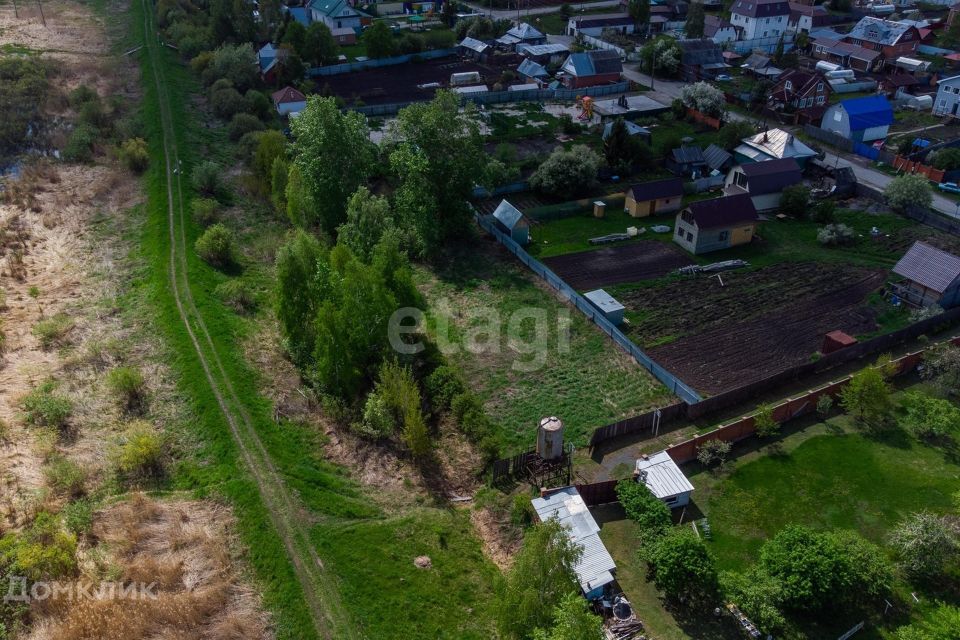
(511, 14)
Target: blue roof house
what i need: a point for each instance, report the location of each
(859, 119)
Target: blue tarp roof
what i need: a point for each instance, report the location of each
(871, 111)
(920, 142)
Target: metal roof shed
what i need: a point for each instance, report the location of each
(607, 304)
(595, 567)
(932, 275)
(512, 221)
(664, 479)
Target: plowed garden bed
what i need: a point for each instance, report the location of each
(757, 323)
(643, 260)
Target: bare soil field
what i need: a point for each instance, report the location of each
(634, 262)
(398, 83)
(758, 323)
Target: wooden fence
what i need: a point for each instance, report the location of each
(909, 166)
(510, 468)
(638, 424)
(599, 492)
(790, 409)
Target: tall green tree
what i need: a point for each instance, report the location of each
(297, 293)
(439, 159)
(541, 576)
(942, 624)
(295, 35)
(320, 47)
(334, 155)
(695, 20)
(683, 567)
(379, 40)
(619, 148)
(867, 395)
(368, 219)
(639, 10)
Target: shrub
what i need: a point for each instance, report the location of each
(43, 552)
(471, 418)
(65, 477)
(243, 123)
(704, 97)
(795, 200)
(765, 423)
(81, 96)
(215, 246)
(78, 517)
(140, 451)
(713, 452)
(237, 295)
(378, 421)
(258, 104)
(206, 211)
(644, 508)
(824, 212)
(926, 544)
(134, 155)
(44, 407)
(443, 385)
(79, 146)
(908, 191)
(128, 388)
(824, 405)
(567, 174)
(521, 511)
(207, 179)
(836, 235)
(52, 331)
(928, 417)
(682, 567)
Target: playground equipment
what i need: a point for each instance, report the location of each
(586, 108)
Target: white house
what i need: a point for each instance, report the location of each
(664, 479)
(718, 29)
(336, 14)
(760, 18)
(595, 25)
(948, 96)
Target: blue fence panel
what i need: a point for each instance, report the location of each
(866, 150)
(680, 388)
(347, 67)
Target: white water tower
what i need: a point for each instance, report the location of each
(550, 438)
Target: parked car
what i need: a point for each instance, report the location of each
(952, 187)
(723, 78)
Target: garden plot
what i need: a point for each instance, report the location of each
(716, 337)
(641, 260)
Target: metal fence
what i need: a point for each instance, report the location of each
(845, 144)
(500, 97)
(767, 45)
(348, 67)
(677, 386)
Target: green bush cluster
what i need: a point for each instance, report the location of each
(216, 246)
(128, 388)
(44, 551)
(139, 453)
(44, 407)
(237, 295)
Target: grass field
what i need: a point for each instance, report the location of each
(588, 383)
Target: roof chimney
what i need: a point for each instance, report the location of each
(765, 138)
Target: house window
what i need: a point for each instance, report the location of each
(689, 237)
(819, 87)
(821, 99)
(723, 236)
(788, 85)
(837, 116)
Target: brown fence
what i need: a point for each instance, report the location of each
(598, 492)
(637, 424)
(909, 166)
(793, 408)
(713, 123)
(510, 468)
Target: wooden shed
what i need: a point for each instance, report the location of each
(648, 198)
(931, 276)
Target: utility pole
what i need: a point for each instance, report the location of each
(16, 12)
(42, 17)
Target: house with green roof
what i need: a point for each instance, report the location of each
(336, 14)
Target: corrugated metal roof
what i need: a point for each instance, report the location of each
(474, 45)
(877, 30)
(591, 63)
(777, 143)
(929, 266)
(603, 301)
(536, 50)
(716, 157)
(723, 212)
(868, 112)
(524, 31)
(633, 129)
(531, 69)
(507, 214)
(645, 191)
(662, 476)
(595, 566)
(688, 154)
(771, 176)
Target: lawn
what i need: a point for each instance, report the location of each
(584, 379)
(390, 597)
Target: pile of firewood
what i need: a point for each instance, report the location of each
(626, 630)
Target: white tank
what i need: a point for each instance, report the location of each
(825, 66)
(550, 438)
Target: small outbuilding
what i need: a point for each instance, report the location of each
(611, 309)
(664, 479)
(633, 129)
(509, 219)
(687, 160)
(522, 33)
(289, 100)
(595, 568)
(530, 71)
(859, 119)
(721, 223)
(648, 198)
(473, 49)
(764, 182)
(931, 276)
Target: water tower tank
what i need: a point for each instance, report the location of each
(550, 438)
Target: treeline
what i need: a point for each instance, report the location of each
(346, 271)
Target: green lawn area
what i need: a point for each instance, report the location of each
(587, 381)
(555, 24)
(390, 597)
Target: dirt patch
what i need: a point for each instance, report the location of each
(186, 549)
(498, 543)
(759, 323)
(644, 260)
